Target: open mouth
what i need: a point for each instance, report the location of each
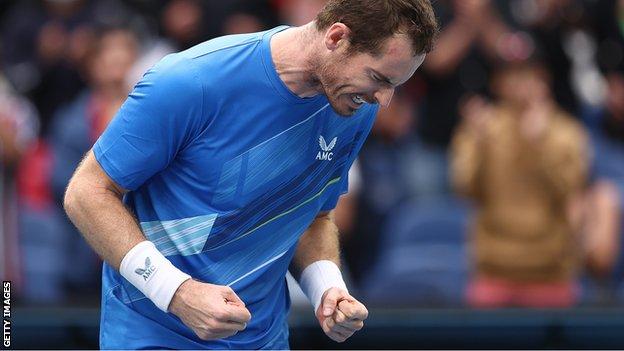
(357, 99)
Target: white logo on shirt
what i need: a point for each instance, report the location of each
(325, 154)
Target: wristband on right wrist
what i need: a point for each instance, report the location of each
(152, 273)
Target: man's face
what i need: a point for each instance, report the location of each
(349, 81)
(115, 57)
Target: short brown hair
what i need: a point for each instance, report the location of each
(373, 21)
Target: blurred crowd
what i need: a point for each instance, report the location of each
(494, 179)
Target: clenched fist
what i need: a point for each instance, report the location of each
(211, 311)
(340, 314)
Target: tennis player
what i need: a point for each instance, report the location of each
(221, 171)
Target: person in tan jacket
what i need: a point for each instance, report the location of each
(523, 161)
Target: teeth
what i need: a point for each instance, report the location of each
(357, 99)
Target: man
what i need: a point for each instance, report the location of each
(231, 156)
(523, 161)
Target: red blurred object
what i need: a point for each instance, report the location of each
(33, 175)
(485, 292)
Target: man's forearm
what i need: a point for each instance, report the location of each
(94, 204)
(99, 214)
(315, 265)
(319, 242)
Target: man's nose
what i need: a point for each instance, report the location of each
(384, 96)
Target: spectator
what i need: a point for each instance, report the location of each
(559, 28)
(181, 26)
(299, 12)
(45, 47)
(608, 17)
(523, 161)
(247, 16)
(472, 40)
(603, 217)
(18, 129)
(77, 127)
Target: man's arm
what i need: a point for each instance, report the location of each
(94, 204)
(319, 242)
(467, 146)
(466, 163)
(316, 266)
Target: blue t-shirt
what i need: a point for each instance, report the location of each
(226, 168)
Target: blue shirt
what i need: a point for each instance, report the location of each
(226, 168)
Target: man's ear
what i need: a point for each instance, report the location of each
(337, 35)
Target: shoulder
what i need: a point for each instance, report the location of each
(224, 44)
(175, 77)
(209, 64)
(209, 55)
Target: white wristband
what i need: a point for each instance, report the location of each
(317, 278)
(153, 274)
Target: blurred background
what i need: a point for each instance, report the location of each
(485, 210)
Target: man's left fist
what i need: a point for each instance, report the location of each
(340, 314)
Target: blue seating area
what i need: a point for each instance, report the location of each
(423, 256)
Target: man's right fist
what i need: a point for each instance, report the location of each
(211, 311)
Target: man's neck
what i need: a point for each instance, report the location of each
(292, 51)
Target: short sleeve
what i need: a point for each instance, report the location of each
(363, 132)
(162, 114)
(343, 188)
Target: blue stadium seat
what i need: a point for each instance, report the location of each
(423, 258)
